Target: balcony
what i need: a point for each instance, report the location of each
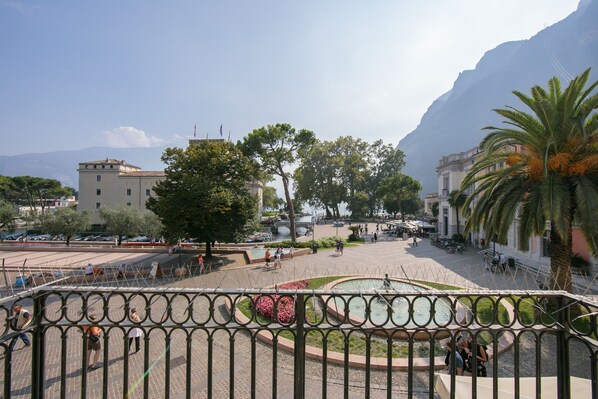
(316, 344)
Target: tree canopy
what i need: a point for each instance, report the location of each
(122, 221)
(205, 196)
(346, 170)
(397, 189)
(32, 191)
(542, 168)
(275, 148)
(66, 221)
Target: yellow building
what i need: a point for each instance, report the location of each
(112, 183)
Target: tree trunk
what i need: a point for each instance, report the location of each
(457, 210)
(208, 249)
(68, 240)
(560, 261)
(328, 213)
(287, 195)
(119, 240)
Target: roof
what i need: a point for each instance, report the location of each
(108, 161)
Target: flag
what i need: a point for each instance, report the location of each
(194, 130)
(221, 130)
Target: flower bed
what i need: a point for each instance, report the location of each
(285, 309)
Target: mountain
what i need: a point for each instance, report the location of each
(62, 165)
(454, 122)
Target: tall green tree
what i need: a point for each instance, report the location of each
(8, 216)
(205, 195)
(549, 174)
(37, 190)
(397, 189)
(122, 221)
(456, 200)
(384, 160)
(317, 178)
(66, 221)
(270, 198)
(275, 148)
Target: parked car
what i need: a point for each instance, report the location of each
(338, 223)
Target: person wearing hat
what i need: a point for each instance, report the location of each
(21, 320)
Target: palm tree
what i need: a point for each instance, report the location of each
(456, 199)
(543, 169)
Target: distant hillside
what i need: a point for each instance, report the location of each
(62, 165)
(454, 122)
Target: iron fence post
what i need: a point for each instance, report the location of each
(562, 353)
(37, 355)
(299, 383)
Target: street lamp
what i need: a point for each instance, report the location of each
(494, 244)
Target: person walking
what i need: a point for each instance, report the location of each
(341, 247)
(21, 320)
(278, 259)
(93, 343)
(486, 261)
(135, 332)
(414, 240)
(375, 237)
(267, 256)
(200, 264)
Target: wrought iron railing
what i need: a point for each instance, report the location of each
(218, 343)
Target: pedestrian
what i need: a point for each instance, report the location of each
(93, 343)
(291, 249)
(375, 237)
(366, 229)
(341, 247)
(200, 264)
(135, 332)
(278, 259)
(338, 246)
(414, 240)
(458, 369)
(89, 269)
(121, 270)
(267, 256)
(486, 261)
(21, 320)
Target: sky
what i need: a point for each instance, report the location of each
(77, 74)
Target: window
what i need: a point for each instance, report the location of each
(98, 192)
(98, 177)
(128, 191)
(97, 205)
(147, 192)
(128, 204)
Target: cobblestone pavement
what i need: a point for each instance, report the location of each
(187, 348)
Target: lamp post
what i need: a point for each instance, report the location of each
(493, 245)
(313, 227)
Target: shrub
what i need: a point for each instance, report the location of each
(285, 309)
(354, 237)
(325, 242)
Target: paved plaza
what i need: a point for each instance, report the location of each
(398, 258)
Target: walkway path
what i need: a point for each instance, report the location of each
(390, 255)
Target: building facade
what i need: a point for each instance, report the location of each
(112, 183)
(451, 170)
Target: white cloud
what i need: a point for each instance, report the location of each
(129, 137)
(20, 6)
